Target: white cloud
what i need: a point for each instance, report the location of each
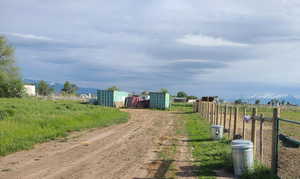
(190, 61)
(207, 41)
(28, 36)
(277, 64)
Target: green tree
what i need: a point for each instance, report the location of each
(238, 101)
(192, 97)
(69, 88)
(11, 84)
(44, 89)
(221, 101)
(145, 93)
(164, 90)
(113, 88)
(257, 101)
(181, 94)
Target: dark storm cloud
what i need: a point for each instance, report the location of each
(212, 53)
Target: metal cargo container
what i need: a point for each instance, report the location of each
(159, 100)
(111, 98)
(136, 102)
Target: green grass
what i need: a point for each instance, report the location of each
(209, 155)
(212, 155)
(287, 112)
(25, 122)
(259, 172)
(185, 107)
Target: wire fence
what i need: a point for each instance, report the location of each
(262, 128)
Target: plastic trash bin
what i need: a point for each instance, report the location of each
(242, 156)
(217, 132)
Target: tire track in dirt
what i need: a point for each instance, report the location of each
(119, 151)
(172, 156)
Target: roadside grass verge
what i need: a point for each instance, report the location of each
(25, 122)
(208, 155)
(260, 172)
(211, 156)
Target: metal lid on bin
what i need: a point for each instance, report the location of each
(241, 144)
(216, 126)
(241, 141)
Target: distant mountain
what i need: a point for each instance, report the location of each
(265, 98)
(58, 86)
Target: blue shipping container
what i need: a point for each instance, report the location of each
(159, 100)
(111, 98)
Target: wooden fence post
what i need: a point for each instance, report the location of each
(253, 130)
(194, 107)
(236, 115)
(230, 119)
(209, 111)
(221, 112)
(202, 110)
(212, 114)
(204, 107)
(275, 130)
(244, 114)
(225, 116)
(261, 137)
(200, 107)
(217, 115)
(206, 111)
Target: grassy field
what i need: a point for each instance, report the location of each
(287, 112)
(25, 122)
(209, 155)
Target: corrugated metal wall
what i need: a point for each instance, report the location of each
(120, 96)
(167, 100)
(105, 98)
(111, 98)
(159, 100)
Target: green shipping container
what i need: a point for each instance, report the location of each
(159, 100)
(111, 98)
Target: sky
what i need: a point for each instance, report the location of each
(209, 47)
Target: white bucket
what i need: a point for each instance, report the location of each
(217, 132)
(242, 156)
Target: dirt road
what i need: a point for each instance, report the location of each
(120, 151)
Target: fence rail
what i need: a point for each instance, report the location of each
(226, 114)
(289, 121)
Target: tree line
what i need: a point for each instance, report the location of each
(272, 102)
(44, 89)
(11, 84)
(182, 94)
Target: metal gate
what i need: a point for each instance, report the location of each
(279, 136)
